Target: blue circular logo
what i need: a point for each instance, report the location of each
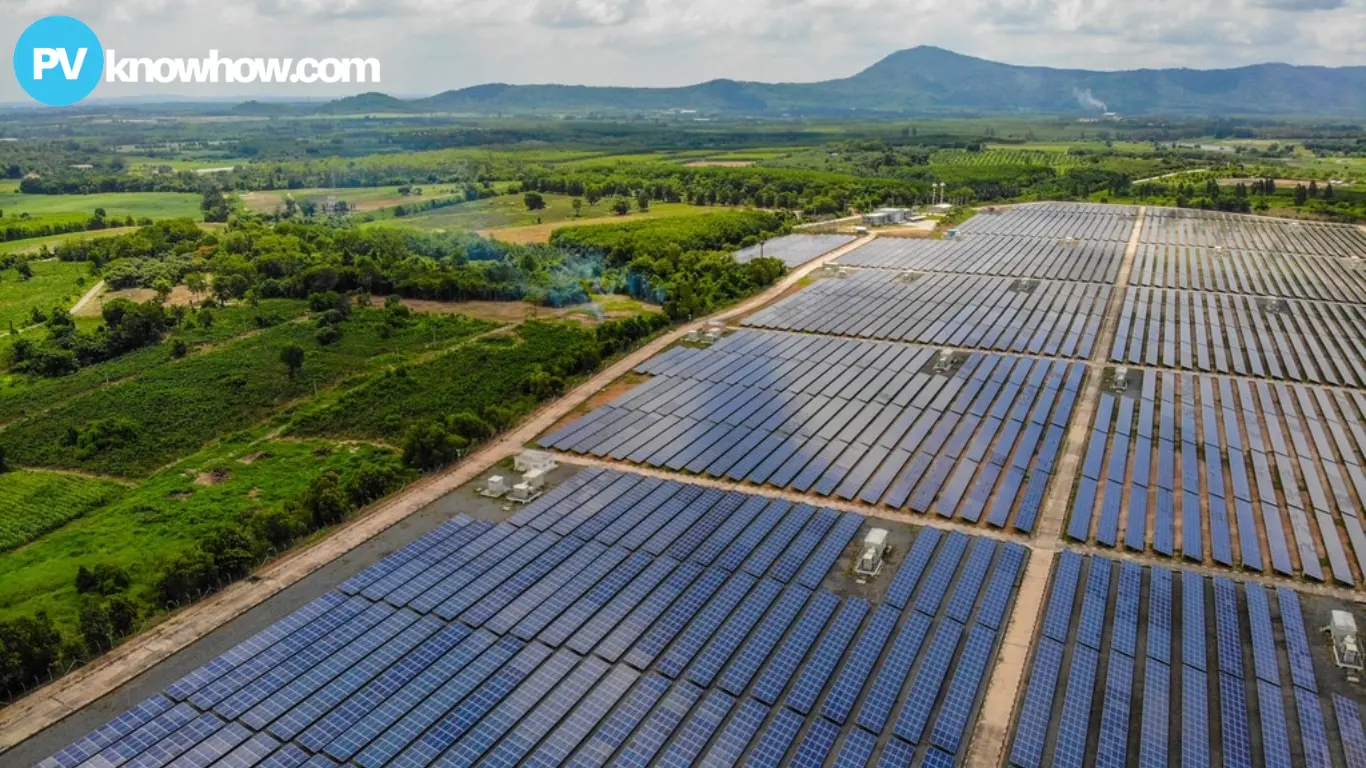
(58, 60)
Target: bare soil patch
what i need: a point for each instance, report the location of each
(213, 477)
(180, 296)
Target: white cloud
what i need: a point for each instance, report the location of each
(431, 45)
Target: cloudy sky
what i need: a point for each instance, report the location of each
(426, 46)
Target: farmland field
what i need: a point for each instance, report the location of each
(360, 199)
(31, 244)
(154, 205)
(162, 517)
(507, 217)
(1003, 157)
(54, 284)
(174, 409)
(33, 503)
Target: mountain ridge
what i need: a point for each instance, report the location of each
(931, 81)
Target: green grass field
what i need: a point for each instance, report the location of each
(174, 409)
(162, 517)
(34, 243)
(54, 284)
(509, 212)
(360, 199)
(154, 205)
(33, 503)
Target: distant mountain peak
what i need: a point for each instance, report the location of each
(927, 80)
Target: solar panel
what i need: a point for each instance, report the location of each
(1349, 729)
(1037, 710)
(1113, 749)
(956, 708)
(1153, 741)
(614, 731)
(734, 739)
(776, 740)
(924, 690)
(1237, 750)
(1230, 643)
(1069, 750)
(1062, 595)
(819, 741)
(1296, 640)
(1193, 652)
(1275, 737)
(828, 653)
(1313, 733)
(650, 736)
(1195, 745)
(857, 749)
(859, 664)
(698, 730)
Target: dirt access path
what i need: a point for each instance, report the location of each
(63, 697)
(1003, 691)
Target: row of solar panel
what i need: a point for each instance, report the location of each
(979, 444)
(999, 255)
(1079, 729)
(1292, 276)
(1056, 220)
(704, 666)
(1061, 319)
(1314, 342)
(1205, 229)
(794, 250)
(1236, 474)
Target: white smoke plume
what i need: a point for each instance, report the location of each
(1088, 101)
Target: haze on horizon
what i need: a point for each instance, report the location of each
(428, 46)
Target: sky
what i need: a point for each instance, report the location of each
(427, 46)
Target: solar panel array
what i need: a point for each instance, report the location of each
(1264, 476)
(1030, 316)
(794, 250)
(847, 418)
(619, 618)
(1000, 255)
(1311, 341)
(1056, 220)
(1282, 275)
(1207, 229)
(1149, 667)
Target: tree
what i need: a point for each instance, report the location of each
(96, 629)
(292, 355)
(621, 207)
(196, 283)
(643, 202)
(163, 288)
(577, 205)
(1301, 195)
(1328, 191)
(25, 271)
(324, 500)
(534, 201)
(123, 615)
(4, 467)
(429, 445)
(1313, 188)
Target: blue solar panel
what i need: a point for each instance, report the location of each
(1160, 614)
(941, 574)
(622, 723)
(733, 632)
(908, 575)
(1193, 651)
(1153, 741)
(1002, 585)
(692, 738)
(1125, 633)
(859, 664)
(783, 664)
(827, 655)
(556, 748)
(896, 754)
(857, 749)
(1313, 734)
(1263, 641)
(1062, 596)
(1037, 710)
(705, 625)
(652, 734)
(956, 708)
(1195, 746)
(776, 740)
(1230, 642)
(1237, 750)
(829, 551)
(1296, 640)
(1275, 737)
(1113, 749)
(1349, 729)
(1070, 749)
(924, 691)
(819, 741)
(734, 739)
(1092, 623)
(110, 732)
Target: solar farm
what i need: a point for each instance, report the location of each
(794, 250)
(1109, 463)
